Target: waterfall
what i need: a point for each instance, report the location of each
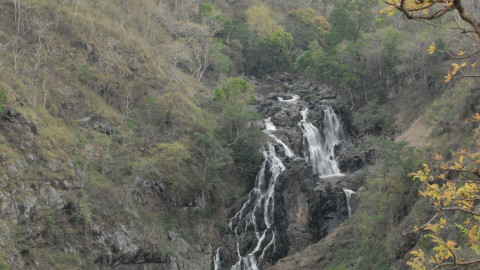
(216, 260)
(253, 225)
(258, 211)
(320, 152)
(348, 194)
(261, 198)
(269, 128)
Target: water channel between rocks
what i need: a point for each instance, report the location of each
(258, 237)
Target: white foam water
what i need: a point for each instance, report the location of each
(321, 149)
(348, 194)
(262, 199)
(269, 130)
(293, 99)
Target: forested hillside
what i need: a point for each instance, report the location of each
(131, 132)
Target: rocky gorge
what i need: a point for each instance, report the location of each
(228, 135)
(300, 193)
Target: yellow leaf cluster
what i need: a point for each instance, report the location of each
(413, 9)
(417, 262)
(415, 6)
(260, 20)
(476, 117)
(390, 10)
(456, 69)
(432, 48)
(446, 194)
(448, 77)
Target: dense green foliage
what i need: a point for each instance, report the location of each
(316, 64)
(276, 52)
(234, 95)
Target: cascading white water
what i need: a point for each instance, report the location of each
(348, 194)
(293, 99)
(320, 152)
(269, 128)
(257, 213)
(262, 200)
(216, 260)
(260, 203)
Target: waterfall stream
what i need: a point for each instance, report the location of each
(253, 226)
(262, 198)
(216, 260)
(293, 99)
(269, 128)
(348, 194)
(320, 152)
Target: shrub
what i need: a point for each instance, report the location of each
(3, 100)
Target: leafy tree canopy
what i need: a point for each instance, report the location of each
(235, 92)
(260, 20)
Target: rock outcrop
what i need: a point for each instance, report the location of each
(307, 209)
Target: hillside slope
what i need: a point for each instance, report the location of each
(109, 156)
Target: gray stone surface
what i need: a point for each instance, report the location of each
(53, 198)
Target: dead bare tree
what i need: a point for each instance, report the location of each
(75, 14)
(16, 51)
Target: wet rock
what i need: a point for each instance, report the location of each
(287, 118)
(328, 209)
(259, 124)
(305, 214)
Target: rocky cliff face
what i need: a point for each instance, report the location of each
(306, 205)
(119, 246)
(307, 209)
